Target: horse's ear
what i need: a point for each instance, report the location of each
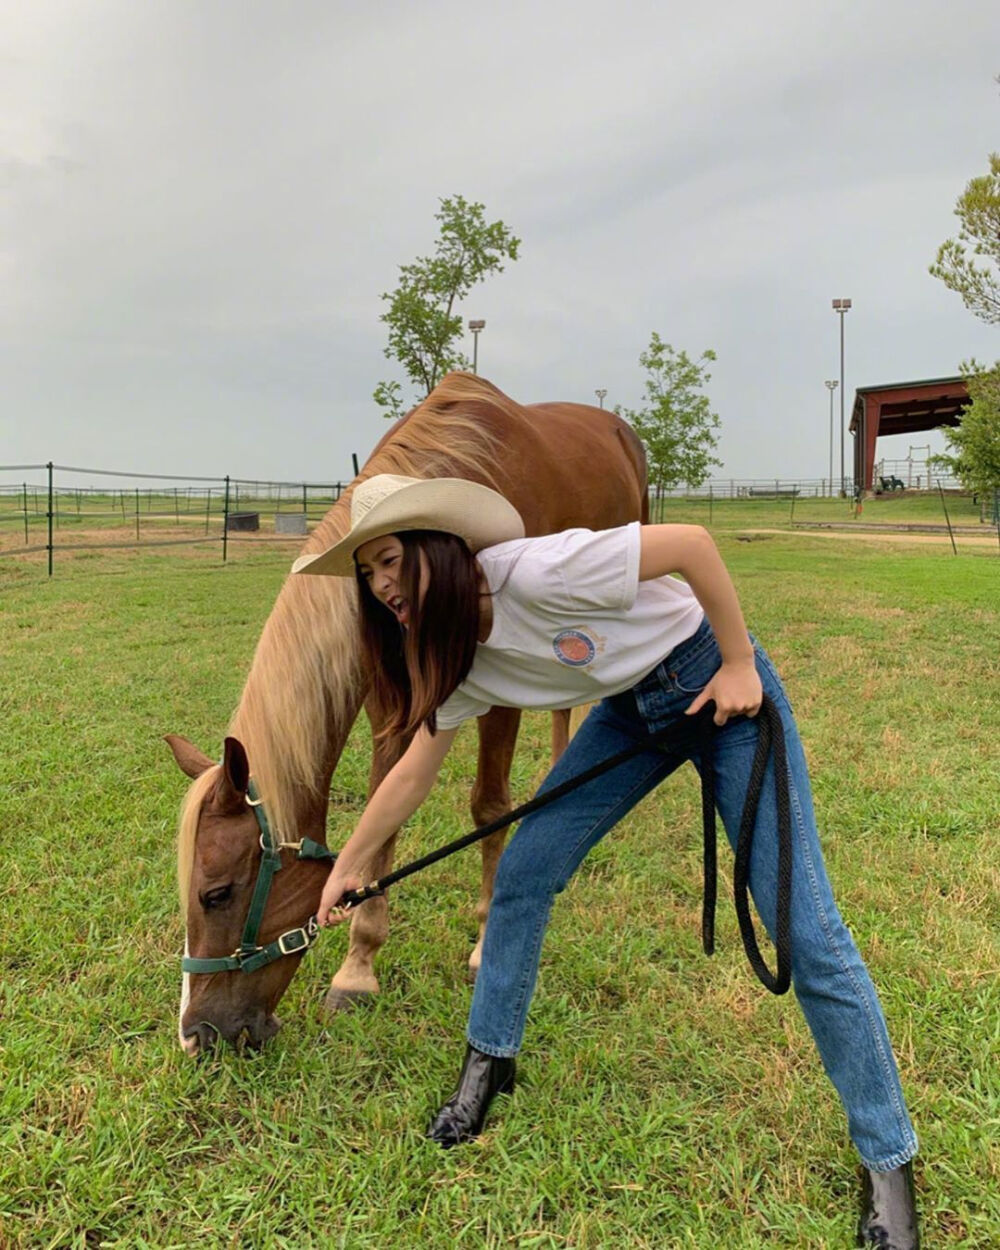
(234, 781)
(189, 759)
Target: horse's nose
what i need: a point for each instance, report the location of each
(201, 1038)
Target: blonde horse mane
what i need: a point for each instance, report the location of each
(305, 685)
(188, 828)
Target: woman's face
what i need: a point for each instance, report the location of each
(380, 563)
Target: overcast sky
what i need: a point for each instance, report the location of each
(201, 202)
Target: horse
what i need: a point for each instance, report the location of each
(562, 465)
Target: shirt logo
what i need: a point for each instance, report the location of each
(574, 648)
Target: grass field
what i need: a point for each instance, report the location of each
(899, 509)
(94, 521)
(665, 1099)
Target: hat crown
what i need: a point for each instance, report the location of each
(373, 490)
(389, 503)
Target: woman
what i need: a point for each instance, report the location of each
(459, 613)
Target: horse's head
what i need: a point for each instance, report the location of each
(222, 858)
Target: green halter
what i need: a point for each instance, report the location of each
(249, 956)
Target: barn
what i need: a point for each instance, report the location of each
(901, 408)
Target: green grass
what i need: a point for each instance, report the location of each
(665, 1099)
(899, 509)
(148, 517)
(85, 520)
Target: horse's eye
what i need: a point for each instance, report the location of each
(218, 897)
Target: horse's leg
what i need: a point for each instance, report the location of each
(355, 980)
(490, 799)
(560, 732)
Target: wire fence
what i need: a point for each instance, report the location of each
(42, 513)
(50, 508)
(914, 474)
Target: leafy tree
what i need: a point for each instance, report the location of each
(975, 443)
(677, 425)
(978, 209)
(424, 328)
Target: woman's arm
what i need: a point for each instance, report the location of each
(401, 792)
(690, 551)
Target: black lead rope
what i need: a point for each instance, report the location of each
(699, 731)
(770, 741)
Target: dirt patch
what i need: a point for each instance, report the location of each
(79, 543)
(962, 540)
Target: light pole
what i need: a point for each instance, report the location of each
(475, 327)
(831, 386)
(841, 307)
(600, 393)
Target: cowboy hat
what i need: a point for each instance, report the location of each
(388, 503)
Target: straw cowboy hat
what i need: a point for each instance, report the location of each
(387, 503)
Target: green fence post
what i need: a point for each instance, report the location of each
(49, 467)
(225, 521)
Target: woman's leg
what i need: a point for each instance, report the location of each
(828, 974)
(540, 859)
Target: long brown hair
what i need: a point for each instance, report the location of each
(415, 669)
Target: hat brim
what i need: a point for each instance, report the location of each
(478, 515)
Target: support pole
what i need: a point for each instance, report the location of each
(843, 482)
(947, 517)
(225, 523)
(49, 467)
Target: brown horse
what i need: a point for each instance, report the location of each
(561, 465)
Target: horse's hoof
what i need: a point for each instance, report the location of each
(344, 1000)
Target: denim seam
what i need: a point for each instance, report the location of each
(888, 1069)
(684, 653)
(520, 1012)
(683, 659)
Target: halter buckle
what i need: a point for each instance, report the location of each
(295, 940)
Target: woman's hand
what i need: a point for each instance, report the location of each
(736, 690)
(337, 885)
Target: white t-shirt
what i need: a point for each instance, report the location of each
(572, 623)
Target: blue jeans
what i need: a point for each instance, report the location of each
(829, 977)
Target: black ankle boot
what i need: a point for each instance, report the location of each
(888, 1210)
(461, 1118)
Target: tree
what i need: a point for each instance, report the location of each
(424, 327)
(978, 209)
(677, 425)
(975, 443)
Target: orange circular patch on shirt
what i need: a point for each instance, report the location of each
(573, 648)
